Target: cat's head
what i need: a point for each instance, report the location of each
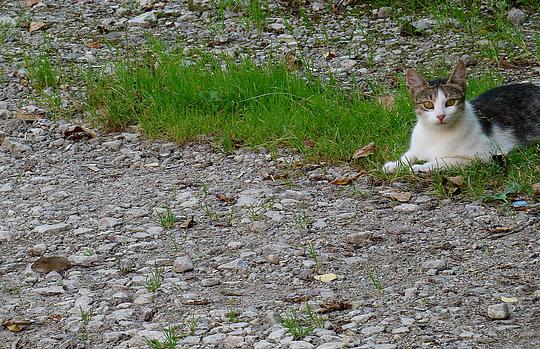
(439, 102)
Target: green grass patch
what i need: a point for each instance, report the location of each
(173, 96)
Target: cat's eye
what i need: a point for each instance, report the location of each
(427, 105)
(450, 102)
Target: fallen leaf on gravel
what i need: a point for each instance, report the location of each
(292, 61)
(225, 199)
(509, 299)
(343, 180)
(48, 264)
(94, 44)
(30, 3)
(16, 325)
(34, 26)
(401, 196)
(26, 116)
(187, 223)
(329, 55)
(275, 177)
(325, 277)
(499, 229)
(536, 188)
(388, 102)
(77, 133)
(456, 180)
(335, 306)
(364, 151)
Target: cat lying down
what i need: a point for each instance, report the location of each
(451, 131)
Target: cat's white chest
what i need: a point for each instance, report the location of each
(429, 143)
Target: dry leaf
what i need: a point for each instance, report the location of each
(325, 277)
(92, 167)
(334, 306)
(26, 116)
(225, 199)
(309, 143)
(37, 26)
(343, 180)
(187, 223)
(388, 102)
(456, 180)
(364, 151)
(95, 44)
(16, 324)
(48, 264)
(152, 164)
(401, 196)
(536, 188)
(30, 3)
(292, 61)
(77, 133)
(329, 55)
(509, 299)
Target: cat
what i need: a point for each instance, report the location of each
(450, 131)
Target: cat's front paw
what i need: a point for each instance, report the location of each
(427, 167)
(390, 167)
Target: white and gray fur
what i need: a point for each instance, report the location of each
(452, 135)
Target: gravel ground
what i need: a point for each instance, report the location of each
(411, 270)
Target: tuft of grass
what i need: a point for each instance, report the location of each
(167, 219)
(302, 221)
(86, 316)
(170, 340)
(171, 95)
(154, 279)
(374, 278)
(42, 71)
(233, 315)
(192, 325)
(300, 325)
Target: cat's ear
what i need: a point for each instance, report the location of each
(414, 81)
(459, 74)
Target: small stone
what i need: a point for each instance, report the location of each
(407, 207)
(237, 264)
(144, 20)
(14, 147)
(400, 330)
(272, 259)
(437, 264)
(319, 224)
(182, 264)
(108, 223)
(214, 339)
(424, 24)
(51, 228)
(6, 21)
(210, 282)
(384, 12)
(6, 235)
(332, 345)
(144, 298)
(83, 260)
(50, 291)
(113, 145)
(300, 345)
(263, 345)
(6, 188)
(287, 38)
(121, 315)
(233, 342)
(359, 238)
(371, 330)
(317, 6)
(348, 63)
(278, 28)
(385, 346)
(516, 16)
(498, 311)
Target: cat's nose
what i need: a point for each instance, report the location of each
(441, 117)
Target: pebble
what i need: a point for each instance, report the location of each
(300, 345)
(237, 264)
(359, 238)
(51, 228)
(371, 330)
(516, 16)
(143, 20)
(182, 264)
(15, 148)
(407, 207)
(50, 290)
(214, 339)
(498, 311)
(437, 264)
